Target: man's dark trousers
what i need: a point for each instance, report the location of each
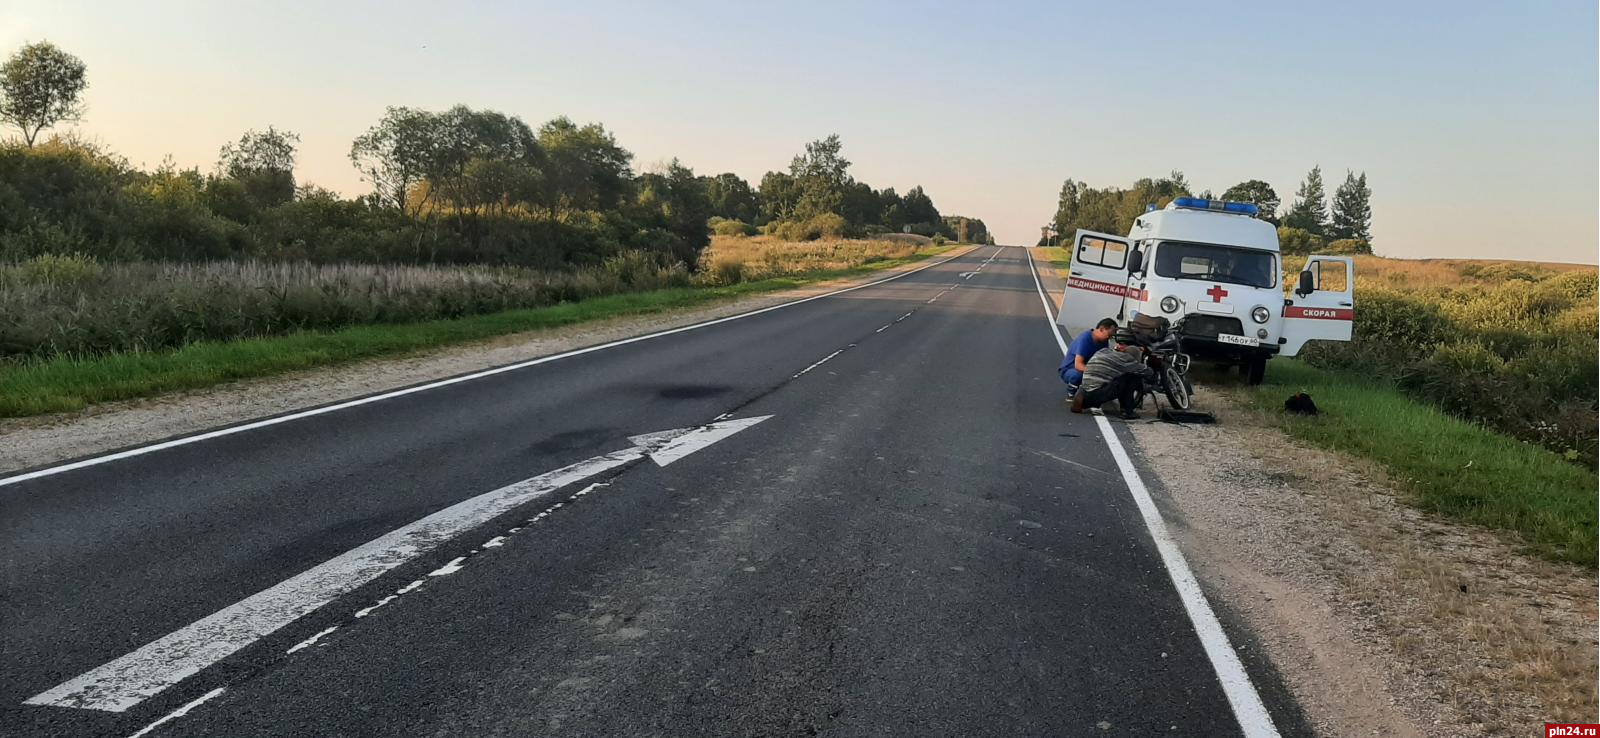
(1123, 389)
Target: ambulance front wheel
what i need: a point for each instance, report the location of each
(1255, 370)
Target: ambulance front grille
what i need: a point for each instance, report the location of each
(1208, 326)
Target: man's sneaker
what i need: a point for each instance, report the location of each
(1072, 390)
(1130, 414)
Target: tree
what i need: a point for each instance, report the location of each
(1258, 193)
(585, 168)
(263, 162)
(39, 87)
(821, 174)
(918, 208)
(891, 208)
(393, 155)
(675, 201)
(1352, 209)
(731, 197)
(1310, 210)
(861, 205)
(779, 195)
(462, 141)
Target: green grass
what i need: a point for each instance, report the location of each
(71, 384)
(1451, 467)
(1056, 255)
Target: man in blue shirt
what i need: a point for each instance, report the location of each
(1079, 353)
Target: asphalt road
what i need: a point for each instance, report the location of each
(917, 540)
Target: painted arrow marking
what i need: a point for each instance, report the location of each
(166, 661)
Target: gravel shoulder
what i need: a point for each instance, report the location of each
(1382, 619)
(37, 441)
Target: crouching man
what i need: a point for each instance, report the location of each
(1083, 348)
(1113, 374)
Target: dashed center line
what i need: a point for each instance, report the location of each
(178, 713)
(819, 363)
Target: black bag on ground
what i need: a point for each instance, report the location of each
(1300, 404)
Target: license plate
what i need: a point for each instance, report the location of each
(1236, 340)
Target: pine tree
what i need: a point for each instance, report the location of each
(1310, 209)
(1352, 209)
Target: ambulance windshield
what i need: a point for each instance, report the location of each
(1207, 262)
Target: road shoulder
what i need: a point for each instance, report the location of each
(1382, 619)
(37, 441)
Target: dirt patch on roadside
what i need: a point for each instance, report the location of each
(29, 442)
(1382, 619)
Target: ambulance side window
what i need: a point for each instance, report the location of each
(1102, 253)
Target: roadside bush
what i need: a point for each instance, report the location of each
(1299, 241)
(1346, 246)
(1509, 345)
(826, 225)
(70, 270)
(725, 227)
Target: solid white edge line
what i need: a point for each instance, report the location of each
(141, 450)
(1248, 708)
(178, 713)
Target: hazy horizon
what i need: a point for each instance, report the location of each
(1476, 127)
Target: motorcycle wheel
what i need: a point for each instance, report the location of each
(1176, 389)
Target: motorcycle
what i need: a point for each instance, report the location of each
(1163, 353)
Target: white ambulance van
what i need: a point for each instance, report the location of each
(1213, 269)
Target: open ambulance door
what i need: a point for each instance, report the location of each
(1323, 305)
(1097, 282)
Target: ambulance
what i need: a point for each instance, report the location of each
(1213, 269)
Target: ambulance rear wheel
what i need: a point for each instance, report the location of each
(1255, 370)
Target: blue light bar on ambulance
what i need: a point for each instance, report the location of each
(1196, 203)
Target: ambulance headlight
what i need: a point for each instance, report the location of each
(1260, 314)
(1170, 304)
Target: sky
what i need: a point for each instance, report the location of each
(1476, 123)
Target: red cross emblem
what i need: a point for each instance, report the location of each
(1217, 293)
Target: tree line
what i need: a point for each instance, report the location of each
(455, 186)
(1310, 224)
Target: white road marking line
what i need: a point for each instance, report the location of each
(220, 432)
(450, 568)
(903, 317)
(819, 363)
(365, 611)
(309, 642)
(409, 587)
(494, 542)
(1248, 709)
(880, 330)
(178, 713)
(689, 443)
(129, 680)
(134, 677)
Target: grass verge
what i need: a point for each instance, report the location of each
(1056, 256)
(1451, 467)
(71, 384)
